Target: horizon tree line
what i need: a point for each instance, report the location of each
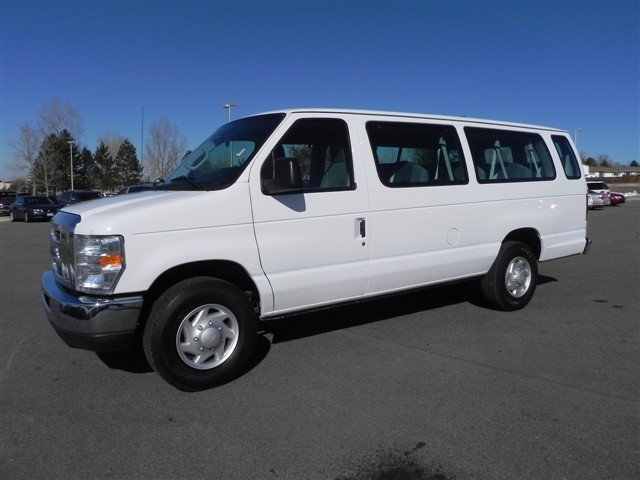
(42, 154)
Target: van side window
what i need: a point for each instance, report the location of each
(323, 149)
(416, 154)
(568, 159)
(509, 156)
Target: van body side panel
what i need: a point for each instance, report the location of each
(310, 243)
(194, 226)
(429, 234)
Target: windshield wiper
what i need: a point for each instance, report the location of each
(184, 178)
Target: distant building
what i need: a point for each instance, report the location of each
(611, 172)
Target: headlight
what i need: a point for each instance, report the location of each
(38, 210)
(99, 262)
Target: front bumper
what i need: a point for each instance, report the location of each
(89, 322)
(42, 215)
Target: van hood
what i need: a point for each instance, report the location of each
(162, 211)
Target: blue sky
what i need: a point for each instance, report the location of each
(563, 64)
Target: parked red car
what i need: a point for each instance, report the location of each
(616, 198)
(6, 199)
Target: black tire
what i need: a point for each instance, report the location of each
(224, 309)
(12, 217)
(517, 260)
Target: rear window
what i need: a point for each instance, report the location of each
(7, 194)
(597, 186)
(87, 195)
(501, 156)
(139, 188)
(568, 159)
(37, 201)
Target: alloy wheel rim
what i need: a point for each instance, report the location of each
(518, 277)
(207, 336)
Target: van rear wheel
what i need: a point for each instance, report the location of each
(200, 333)
(511, 281)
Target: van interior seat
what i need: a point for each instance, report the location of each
(459, 173)
(410, 173)
(568, 167)
(516, 171)
(335, 176)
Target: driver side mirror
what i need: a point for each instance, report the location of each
(281, 176)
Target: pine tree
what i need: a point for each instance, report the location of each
(106, 175)
(128, 167)
(86, 176)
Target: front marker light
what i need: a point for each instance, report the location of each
(99, 262)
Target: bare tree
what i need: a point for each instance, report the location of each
(45, 168)
(605, 160)
(112, 140)
(26, 147)
(34, 152)
(57, 115)
(164, 149)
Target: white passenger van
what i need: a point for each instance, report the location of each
(302, 209)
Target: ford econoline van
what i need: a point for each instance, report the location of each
(303, 209)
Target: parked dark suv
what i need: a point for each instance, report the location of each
(75, 196)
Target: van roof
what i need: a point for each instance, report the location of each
(425, 116)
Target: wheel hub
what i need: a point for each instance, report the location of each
(211, 338)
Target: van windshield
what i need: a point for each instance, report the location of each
(220, 160)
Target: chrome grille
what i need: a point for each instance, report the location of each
(61, 246)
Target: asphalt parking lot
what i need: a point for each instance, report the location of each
(427, 385)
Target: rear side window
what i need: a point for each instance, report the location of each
(416, 154)
(88, 195)
(323, 149)
(568, 159)
(507, 156)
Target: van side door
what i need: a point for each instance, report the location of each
(313, 243)
(424, 216)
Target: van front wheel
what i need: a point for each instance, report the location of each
(511, 281)
(200, 333)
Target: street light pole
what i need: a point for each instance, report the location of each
(575, 138)
(71, 142)
(229, 106)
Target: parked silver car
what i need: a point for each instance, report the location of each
(601, 188)
(595, 199)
